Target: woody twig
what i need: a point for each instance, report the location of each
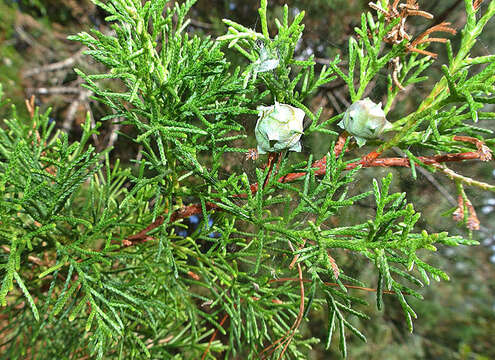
(372, 159)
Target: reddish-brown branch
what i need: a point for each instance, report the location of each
(296, 257)
(289, 335)
(271, 163)
(185, 212)
(225, 317)
(427, 160)
(369, 160)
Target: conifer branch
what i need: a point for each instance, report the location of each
(72, 219)
(371, 160)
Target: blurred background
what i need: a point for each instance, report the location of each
(457, 318)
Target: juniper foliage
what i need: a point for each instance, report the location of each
(75, 278)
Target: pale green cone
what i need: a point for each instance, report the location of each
(282, 124)
(365, 120)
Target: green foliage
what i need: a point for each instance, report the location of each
(94, 248)
(458, 97)
(11, 59)
(273, 63)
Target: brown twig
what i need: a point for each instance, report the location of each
(445, 192)
(369, 160)
(271, 158)
(296, 257)
(185, 212)
(225, 317)
(289, 335)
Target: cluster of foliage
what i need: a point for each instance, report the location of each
(93, 251)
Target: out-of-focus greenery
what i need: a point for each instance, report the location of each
(11, 60)
(458, 319)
